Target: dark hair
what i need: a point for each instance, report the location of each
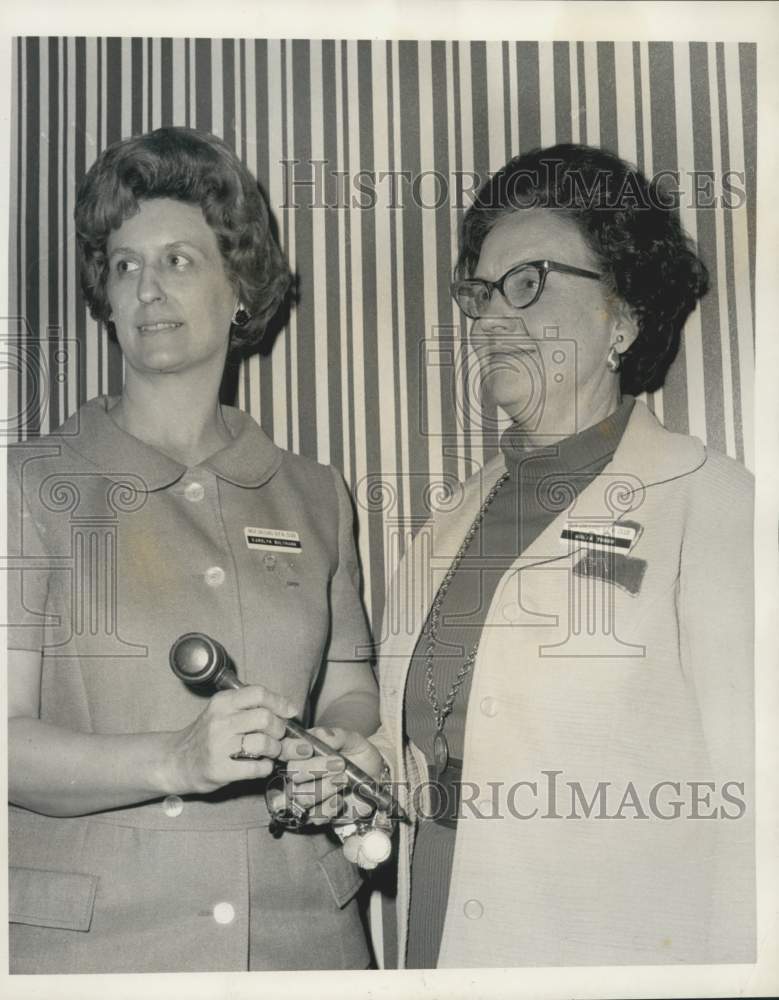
(197, 168)
(631, 225)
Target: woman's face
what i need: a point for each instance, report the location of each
(563, 386)
(171, 300)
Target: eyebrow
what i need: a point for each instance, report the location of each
(175, 245)
(521, 263)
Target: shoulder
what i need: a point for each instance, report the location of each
(320, 488)
(310, 473)
(681, 462)
(64, 447)
(723, 480)
(37, 457)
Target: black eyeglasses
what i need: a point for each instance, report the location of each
(520, 287)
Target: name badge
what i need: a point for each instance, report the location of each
(272, 539)
(614, 538)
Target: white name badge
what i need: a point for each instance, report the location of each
(272, 539)
(614, 538)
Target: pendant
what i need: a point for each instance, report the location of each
(440, 751)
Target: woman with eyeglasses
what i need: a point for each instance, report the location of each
(567, 708)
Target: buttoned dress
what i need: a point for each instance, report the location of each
(607, 812)
(115, 550)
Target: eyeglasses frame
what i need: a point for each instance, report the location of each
(543, 267)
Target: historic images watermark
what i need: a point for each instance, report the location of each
(550, 795)
(312, 184)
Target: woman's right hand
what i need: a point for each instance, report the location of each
(251, 719)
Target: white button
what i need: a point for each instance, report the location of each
(489, 706)
(512, 612)
(173, 805)
(473, 909)
(224, 913)
(194, 492)
(215, 576)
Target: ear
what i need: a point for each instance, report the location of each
(624, 326)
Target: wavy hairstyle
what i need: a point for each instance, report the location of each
(632, 226)
(197, 168)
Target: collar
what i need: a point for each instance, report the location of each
(646, 451)
(576, 453)
(249, 460)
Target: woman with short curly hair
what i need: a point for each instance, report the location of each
(570, 691)
(198, 169)
(139, 830)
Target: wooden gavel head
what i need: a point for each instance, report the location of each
(198, 660)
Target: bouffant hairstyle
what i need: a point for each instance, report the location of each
(632, 226)
(197, 168)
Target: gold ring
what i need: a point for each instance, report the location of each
(243, 753)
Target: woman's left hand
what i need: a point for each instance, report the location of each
(319, 784)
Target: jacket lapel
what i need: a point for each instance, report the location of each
(646, 456)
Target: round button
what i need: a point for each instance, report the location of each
(473, 909)
(512, 612)
(215, 576)
(224, 913)
(194, 492)
(489, 706)
(173, 805)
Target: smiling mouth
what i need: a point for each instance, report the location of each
(160, 327)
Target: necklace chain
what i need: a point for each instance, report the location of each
(434, 619)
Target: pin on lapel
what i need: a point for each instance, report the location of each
(606, 554)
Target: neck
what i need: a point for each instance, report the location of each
(562, 421)
(184, 425)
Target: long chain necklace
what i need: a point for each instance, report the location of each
(442, 712)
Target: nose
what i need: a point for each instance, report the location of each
(496, 323)
(149, 286)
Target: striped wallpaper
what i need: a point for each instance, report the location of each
(368, 151)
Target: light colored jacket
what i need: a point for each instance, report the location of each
(607, 677)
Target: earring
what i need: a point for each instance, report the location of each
(240, 317)
(614, 358)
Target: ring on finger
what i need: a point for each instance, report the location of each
(243, 754)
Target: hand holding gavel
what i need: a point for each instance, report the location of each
(199, 660)
(237, 737)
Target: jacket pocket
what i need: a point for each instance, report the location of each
(342, 876)
(51, 899)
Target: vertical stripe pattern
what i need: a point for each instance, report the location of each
(370, 153)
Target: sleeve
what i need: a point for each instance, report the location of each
(349, 636)
(27, 572)
(717, 632)
(717, 613)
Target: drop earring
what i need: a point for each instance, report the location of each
(614, 358)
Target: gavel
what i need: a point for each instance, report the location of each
(199, 660)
